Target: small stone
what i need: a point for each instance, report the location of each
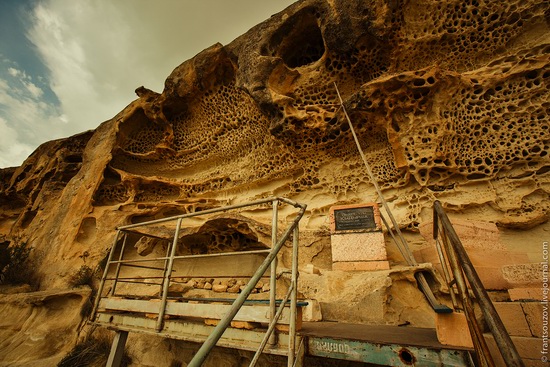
(207, 285)
(192, 283)
(259, 285)
(176, 288)
(220, 288)
(266, 288)
(234, 289)
(311, 269)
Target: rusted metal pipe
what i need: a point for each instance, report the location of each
(502, 338)
(270, 328)
(293, 296)
(214, 210)
(273, 274)
(167, 274)
(105, 271)
(117, 272)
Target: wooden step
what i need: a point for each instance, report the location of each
(196, 332)
(258, 313)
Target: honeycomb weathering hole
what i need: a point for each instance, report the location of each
(304, 43)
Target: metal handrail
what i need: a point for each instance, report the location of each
(170, 258)
(271, 326)
(453, 255)
(216, 334)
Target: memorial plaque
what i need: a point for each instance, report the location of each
(354, 218)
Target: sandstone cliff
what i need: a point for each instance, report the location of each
(450, 100)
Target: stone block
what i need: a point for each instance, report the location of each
(211, 322)
(524, 275)
(245, 325)
(452, 329)
(513, 318)
(358, 247)
(219, 288)
(525, 294)
(491, 277)
(312, 312)
(234, 289)
(529, 349)
(310, 269)
(534, 315)
(360, 265)
(472, 234)
(487, 263)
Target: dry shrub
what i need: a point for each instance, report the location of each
(93, 352)
(83, 276)
(20, 269)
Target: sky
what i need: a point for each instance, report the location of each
(68, 65)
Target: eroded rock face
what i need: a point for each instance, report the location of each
(39, 328)
(449, 100)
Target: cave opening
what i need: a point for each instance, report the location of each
(302, 44)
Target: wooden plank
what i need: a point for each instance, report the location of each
(385, 355)
(382, 334)
(237, 266)
(194, 332)
(251, 313)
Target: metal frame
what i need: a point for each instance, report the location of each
(171, 258)
(461, 277)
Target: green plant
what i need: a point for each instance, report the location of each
(19, 270)
(92, 352)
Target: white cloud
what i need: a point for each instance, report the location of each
(35, 91)
(26, 121)
(13, 72)
(98, 52)
(11, 149)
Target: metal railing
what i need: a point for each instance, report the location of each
(167, 276)
(462, 278)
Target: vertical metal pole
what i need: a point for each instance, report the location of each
(118, 265)
(167, 274)
(494, 323)
(216, 334)
(273, 277)
(484, 357)
(165, 267)
(117, 349)
(271, 328)
(445, 267)
(293, 295)
(300, 353)
(105, 271)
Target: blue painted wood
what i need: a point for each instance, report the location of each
(385, 354)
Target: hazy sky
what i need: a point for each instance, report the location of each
(68, 65)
